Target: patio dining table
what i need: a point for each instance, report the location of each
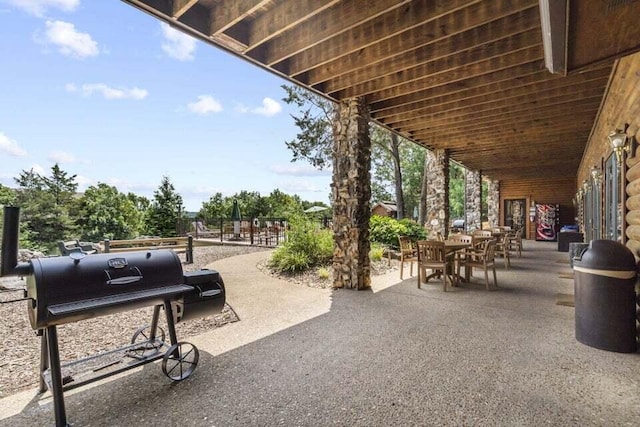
(451, 248)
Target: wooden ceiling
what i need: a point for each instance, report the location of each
(465, 75)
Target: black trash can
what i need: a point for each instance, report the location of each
(604, 279)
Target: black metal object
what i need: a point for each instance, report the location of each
(76, 287)
(605, 278)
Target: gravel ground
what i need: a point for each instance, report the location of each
(20, 347)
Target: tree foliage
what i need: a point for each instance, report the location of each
(314, 140)
(108, 214)
(165, 210)
(46, 203)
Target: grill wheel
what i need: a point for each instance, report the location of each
(180, 361)
(145, 345)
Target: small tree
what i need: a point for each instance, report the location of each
(165, 210)
(107, 214)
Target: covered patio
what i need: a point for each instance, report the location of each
(392, 355)
(522, 93)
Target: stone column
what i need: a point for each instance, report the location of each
(493, 202)
(437, 217)
(472, 200)
(351, 191)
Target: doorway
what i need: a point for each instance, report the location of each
(515, 213)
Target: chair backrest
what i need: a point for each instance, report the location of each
(490, 250)
(431, 251)
(405, 243)
(461, 238)
(482, 233)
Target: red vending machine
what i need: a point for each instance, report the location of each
(547, 221)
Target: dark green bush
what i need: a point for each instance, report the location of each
(385, 230)
(306, 246)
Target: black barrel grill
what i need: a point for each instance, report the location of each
(71, 288)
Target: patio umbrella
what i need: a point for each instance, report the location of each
(236, 217)
(313, 209)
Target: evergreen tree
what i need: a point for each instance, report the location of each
(45, 203)
(314, 142)
(165, 210)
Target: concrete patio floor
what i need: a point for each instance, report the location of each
(394, 355)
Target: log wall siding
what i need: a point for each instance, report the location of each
(540, 190)
(620, 106)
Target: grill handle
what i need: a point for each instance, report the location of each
(124, 280)
(25, 298)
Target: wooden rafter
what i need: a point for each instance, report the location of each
(464, 75)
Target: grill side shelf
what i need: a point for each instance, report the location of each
(69, 308)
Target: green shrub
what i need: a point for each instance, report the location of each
(385, 230)
(306, 246)
(289, 261)
(323, 273)
(376, 252)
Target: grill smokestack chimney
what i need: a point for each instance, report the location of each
(10, 236)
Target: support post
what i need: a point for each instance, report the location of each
(493, 202)
(189, 254)
(473, 200)
(437, 215)
(351, 193)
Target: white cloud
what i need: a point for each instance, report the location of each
(177, 45)
(11, 147)
(61, 157)
(38, 169)
(295, 170)
(40, 7)
(108, 92)
(204, 105)
(300, 186)
(84, 182)
(270, 107)
(70, 42)
(125, 186)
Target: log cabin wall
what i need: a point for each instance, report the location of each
(540, 190)
(620, 107)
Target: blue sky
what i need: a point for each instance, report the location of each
(114, 96)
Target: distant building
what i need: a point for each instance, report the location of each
(389, 209)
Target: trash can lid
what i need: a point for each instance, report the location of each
(606, 255)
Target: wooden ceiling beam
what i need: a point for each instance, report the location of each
(227, 13)
(435, 38)
(283, 17)
(400, 27)
(516, 118)
(581, 120)
(528, 72)
(531, 85)
(396, 86)
(538, 93)
(588, 97)
(463, 138)
(340, 18)
(179, 7)
(478, 57)
(372, 77)
(518, 151)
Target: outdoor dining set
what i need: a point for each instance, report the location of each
(446, 258)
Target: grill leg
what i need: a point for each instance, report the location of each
(170, 324)
(154, 322)
(56, 377)
(44, 359)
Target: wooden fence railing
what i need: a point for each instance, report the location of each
(177, 244)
